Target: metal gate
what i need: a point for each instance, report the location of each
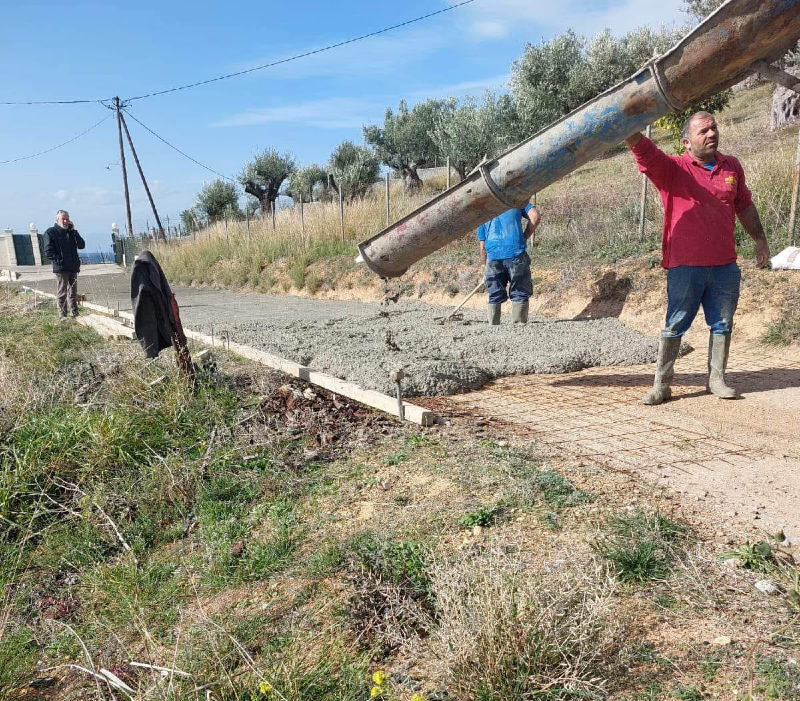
(45, 259)
(23, 246)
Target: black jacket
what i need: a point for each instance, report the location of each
(61, 247)
(151, 298)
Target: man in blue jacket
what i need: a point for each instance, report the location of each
(61, 244)
(504, 245)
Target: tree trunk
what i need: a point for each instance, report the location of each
(785, 104)
(411, 179)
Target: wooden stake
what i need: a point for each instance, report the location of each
(124, 169)
(387, 199)
(144, 181)
(182, 354)
(341, 212)
(795, 193)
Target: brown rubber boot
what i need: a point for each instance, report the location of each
(494, 314)
(719, 347)
(668, 349)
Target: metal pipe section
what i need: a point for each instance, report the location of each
(717, 54)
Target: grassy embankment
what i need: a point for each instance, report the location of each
(592, 215)
(267, 545)
(590, 220)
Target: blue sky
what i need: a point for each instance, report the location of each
(87, 50)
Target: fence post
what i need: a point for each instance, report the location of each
(247, 215)
(795, 193)
(302, 224)
(648, 131)
(341, 212)
(273, 213)
(388, 221)
(448, 172)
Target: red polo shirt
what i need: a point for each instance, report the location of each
(700, 205)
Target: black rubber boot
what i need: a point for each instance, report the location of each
(494, 314)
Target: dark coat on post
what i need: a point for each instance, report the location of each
(151, 298)
(61, 247)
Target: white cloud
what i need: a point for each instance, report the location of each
(490, 19)
(467, 87)
(326, 113)
(87, 197)
(381, 55)
(490, 29)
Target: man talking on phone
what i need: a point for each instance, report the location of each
(61, 245)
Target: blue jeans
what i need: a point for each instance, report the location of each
(716, 287)
(511, 273)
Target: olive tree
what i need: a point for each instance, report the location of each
(302, 182)
(404, 141)
(474, 130)
(263, 177)
(217, 200)
(557, 76)
(353, 169)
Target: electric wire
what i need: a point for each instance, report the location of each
(302, 55)
(175, 148)
(41, 153)
(295, 57)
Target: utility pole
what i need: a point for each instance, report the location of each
(144, 182)
(124, 170)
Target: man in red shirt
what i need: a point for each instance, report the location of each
(703, 191)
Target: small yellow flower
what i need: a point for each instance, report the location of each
(375, 692)
(380, 677)
(417, 697)
(265, 688)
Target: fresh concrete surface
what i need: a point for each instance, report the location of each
(364, 343)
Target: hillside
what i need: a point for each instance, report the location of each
(253, 539)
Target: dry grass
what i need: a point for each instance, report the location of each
(505, 633)
(235, 254)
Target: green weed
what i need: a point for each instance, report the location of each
(757, 557)
(640, 546)
(484, 516)
(778, 680)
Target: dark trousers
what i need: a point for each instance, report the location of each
(509, 277)
(67, 293)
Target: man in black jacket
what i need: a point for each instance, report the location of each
(61, 244)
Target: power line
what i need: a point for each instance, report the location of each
(302, 55)
(305, 54)
(175, 148)
(41, 153)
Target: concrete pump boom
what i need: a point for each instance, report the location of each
(721, 51)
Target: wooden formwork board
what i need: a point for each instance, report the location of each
(371, 398)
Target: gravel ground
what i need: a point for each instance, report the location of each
(364, 343)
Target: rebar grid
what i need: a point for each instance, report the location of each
(597, 414)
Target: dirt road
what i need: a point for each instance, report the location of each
(739, 460)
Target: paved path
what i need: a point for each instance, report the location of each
(739, 458)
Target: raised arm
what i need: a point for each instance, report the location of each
(651, 160)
